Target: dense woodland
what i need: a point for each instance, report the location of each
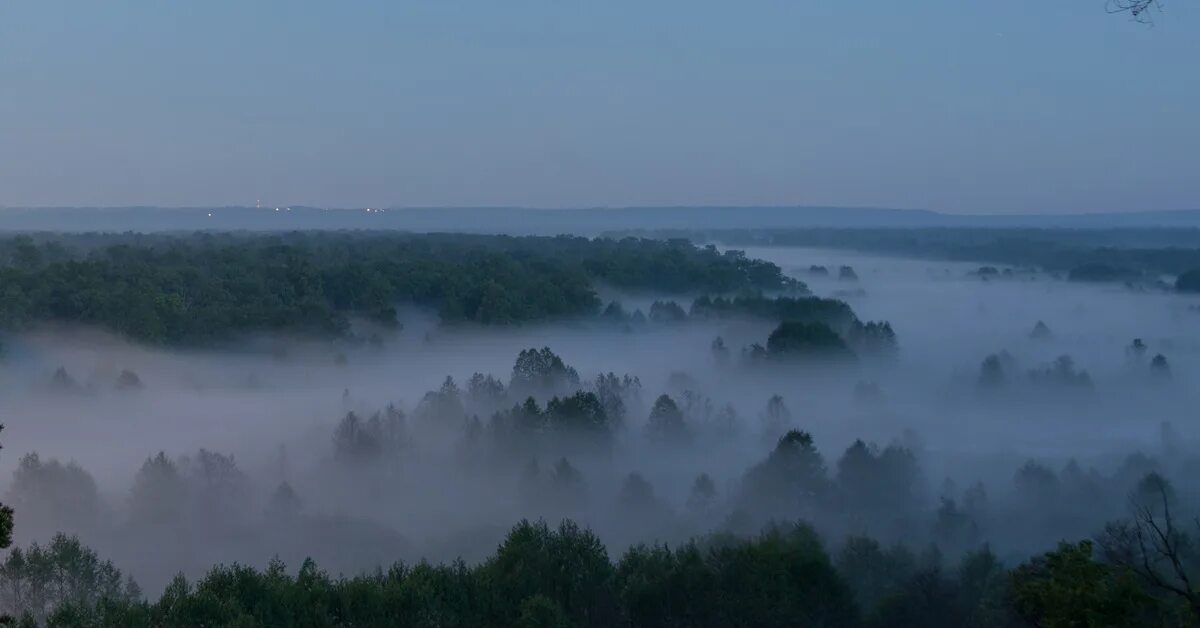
(203, 287)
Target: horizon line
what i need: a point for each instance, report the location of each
(726, 207)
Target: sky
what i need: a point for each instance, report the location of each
(988, 106)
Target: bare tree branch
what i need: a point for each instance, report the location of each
(1151, 547)
(1138, 9)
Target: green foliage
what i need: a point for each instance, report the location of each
(926, 599)
(569, 566)
(1067, 587)
(443, 405)
(556, 577)
(542, 371)
(614, 392)
(661, 587)
(781, 578)
(792, 479)
(356, 440)
(898, 589)
(63, 578)
(581, 412)
(539, 611)
(878, 481)
(665, 423)
(797, 339)
(485, 391)
(872, 572)
(982, 588)
(539, 576)
(872, 338)
(806, 309)
(614, 312)
(193, 289)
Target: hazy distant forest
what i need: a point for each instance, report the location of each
(394, 429)
(1143, 255)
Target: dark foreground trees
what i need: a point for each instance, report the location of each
(39, 582)
(563, 576)
(781, 578)
(539, 576)
(1154, 546)
(6, 521)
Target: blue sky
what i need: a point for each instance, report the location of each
(981, 106)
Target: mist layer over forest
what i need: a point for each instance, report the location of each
(923, 403)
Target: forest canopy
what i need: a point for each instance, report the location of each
(189, 289)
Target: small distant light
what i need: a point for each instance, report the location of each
(276, 209)
(368, 209)
(210, 214)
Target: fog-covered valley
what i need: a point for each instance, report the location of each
(599, 315)
(359, 453)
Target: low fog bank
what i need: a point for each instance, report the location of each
(362, 454)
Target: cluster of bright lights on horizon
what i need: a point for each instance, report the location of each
(370, 210)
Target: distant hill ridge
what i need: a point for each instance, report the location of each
(585, 221)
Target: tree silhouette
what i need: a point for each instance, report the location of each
(6, 521)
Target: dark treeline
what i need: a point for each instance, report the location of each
(803, 309)
(542, 576)
(807, 325)
(187, 289)
(806, 309)
(547, 576)
(1081, 254)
